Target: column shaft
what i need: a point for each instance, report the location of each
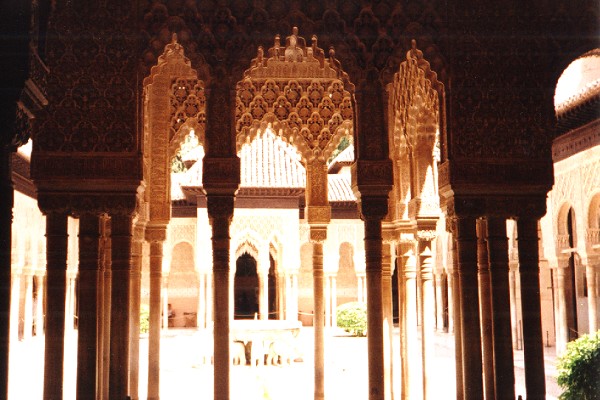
(427, 315)
(483, 275)
(6, 216)
(56, 270)
(469, 300)
(318, 321)
(134, 317)
(121, 238)
(28, 306)
(456, 318)
(373, 253)
(533, 348)
(104, 299)
(220, 243)
(39, 307)
(87, 343)
(156, 256)
(388, 319)
(412, 384)
(439, 304)
(504, 372)
(562, 331)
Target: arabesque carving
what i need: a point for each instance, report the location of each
(305, 97)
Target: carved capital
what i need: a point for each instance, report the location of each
(220, 207)
(318, 214)
(156, 233)
(426, 235)
(372, 177)
(374, 207)
(318, 234)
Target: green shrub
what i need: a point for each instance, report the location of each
(579, 369)
(352, 317)
(144, 318)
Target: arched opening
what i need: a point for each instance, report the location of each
(571, 277)
(182, 288)
(245, 287)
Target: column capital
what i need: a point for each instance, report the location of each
(318, 214)
(373, 207)
(155, 233)
(221, 175)
(318, 234)
(372, 178)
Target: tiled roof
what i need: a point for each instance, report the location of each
(339, 188)
(344, 158)
(270, 163)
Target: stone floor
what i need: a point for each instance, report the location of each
(185, 376)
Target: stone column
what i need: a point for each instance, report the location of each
(483, 274)
(562, 331)
(104, 299)
(512, 284)
(317, 237)
(28, 306)
(533, 348)
(56, 269)
(504, 374)
(388, 318)
(466, 246)
(89, 309)
(220, 212)
(592, 297)
(6, 218)
(373, 211)
(451, 301)
(360, 294)
(134, 315)
(39, 307)
(427, 309)
(412, 384)
(121, 246)
(156, 235)
(455, 307)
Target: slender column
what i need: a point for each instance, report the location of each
(456, 317)
(263, 279)
(104, 298)
(513, 309)
(361, 297)
(373, 253)
(402, 320)
(427, 314)
(220, 212)
(388, 318)
(87, 343)
(504, 370)
(533, 348)
(562, 334)
(483, 274)
(439, 303)
(6, 217)
(28, 306)
(156, 235)
(319, 317)
(466, 242)
(288, 297)
(412, 384)
(592, 298)
(134, 317)
(39, 307)
(121, 246)
(56, 268)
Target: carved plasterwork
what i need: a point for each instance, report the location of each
(174, 103)
(303, 96)
(415, 122)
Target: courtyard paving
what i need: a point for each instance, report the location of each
(184, 375)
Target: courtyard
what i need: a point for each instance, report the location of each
(184, 375)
